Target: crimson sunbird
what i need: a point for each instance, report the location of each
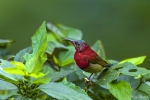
(86, 58)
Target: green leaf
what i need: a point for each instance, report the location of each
(130, 69)
(145, 87)
(121, 90)
(14, 71)
(99, 49)
(135, 61)
(36, 75)
(5, 95)
(8, 57)
(109, 76)
(5, 43)
(51, 37)
(42, 80)
(53, 45)
(134, 83)
(65, 57)
(53, 28)
(70, 32)
(64, 91)
(63, 31)
(35, 60)
(57, 75)
(5, 75)
(21, 53)
(139, 95)
(3, 52)
(46, 69)
(19, 68)
(4, 47)
(6, 86)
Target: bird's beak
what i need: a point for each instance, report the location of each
(70, 40)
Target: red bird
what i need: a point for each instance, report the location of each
(87, 59)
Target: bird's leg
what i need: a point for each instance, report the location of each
(88, 84)
(90, 76)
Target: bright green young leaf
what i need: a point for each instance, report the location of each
(57, 75)
(21, 53)
(109, 76)
(19, 68)
(6, 86)
(37, 75)
(132, 70)
(35, 60)
(51, 38)
(121, 90)
(135, 61)
(6, 76)
(139, 95)
(64, 91)
(99, 49)
(42, 80)
(14, 71)
(19, 65)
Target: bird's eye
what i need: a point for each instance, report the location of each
(77, 44)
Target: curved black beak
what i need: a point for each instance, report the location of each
(70, 40)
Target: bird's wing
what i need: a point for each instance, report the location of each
(100, 61)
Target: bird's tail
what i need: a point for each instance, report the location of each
(109, 65)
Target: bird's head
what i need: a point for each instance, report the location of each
(79, 45)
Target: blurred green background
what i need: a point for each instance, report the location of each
(122, 25)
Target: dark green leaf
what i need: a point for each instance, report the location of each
(65, 57)
(5, 43)
(64, 91)
(53, 45)
(6, 86)
(130, 79)
(57, 75)
(99, 49)
(109, 76)
(145, 87)
(4, 95)
(126, 70)
(139, 95)
(121, 90)
(8, 57)
(53, 28)
(3, 52)
(63, 31)
(21, 53)
(70, 32)
(35, 60)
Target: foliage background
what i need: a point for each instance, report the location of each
(122, 26)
